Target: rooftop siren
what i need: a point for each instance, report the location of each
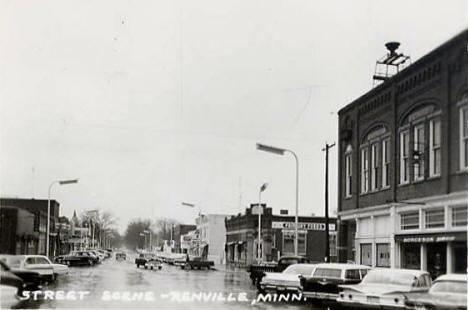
(390, 64)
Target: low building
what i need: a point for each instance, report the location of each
(277, 237)
(211, 230)
(24, 226)
(179, 231)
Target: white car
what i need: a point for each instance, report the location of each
(153, 263)
(288, 280)
(384, 288)
(38, 263)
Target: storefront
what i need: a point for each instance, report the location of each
(438, 253)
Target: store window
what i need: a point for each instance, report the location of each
(459, 216)
(383, 254)
(409, 220)
(411, 256)
(366, 254)
(288, 243)
(435, 218)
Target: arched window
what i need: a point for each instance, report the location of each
(420, 144)
(375, 160)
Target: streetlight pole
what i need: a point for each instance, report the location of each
(64, 182)
(327, 233)
(260, 210)
(280, 151)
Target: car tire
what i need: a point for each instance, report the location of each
(90, 262)
(151, 268)
(146, 267)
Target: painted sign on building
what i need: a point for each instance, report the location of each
(303, 226)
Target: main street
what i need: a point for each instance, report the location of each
(119, 284)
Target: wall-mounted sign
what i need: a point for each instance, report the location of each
(304, 226)
(429, 238)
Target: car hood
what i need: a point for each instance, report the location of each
(377, 289)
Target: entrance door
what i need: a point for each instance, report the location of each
(459, 255)
(437, 259)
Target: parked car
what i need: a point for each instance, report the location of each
(323, 283)
(142, 259)
(10, 288)
(153, 263)
(97, 254)
(258, 271)
(196, 262)
(447, 292)
(384, 288)
(77, 258)
(286, 281)
(32, 280)
(104, 254)
(37, 263)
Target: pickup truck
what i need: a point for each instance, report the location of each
(197, 263)
(142, 259)
(257, 271)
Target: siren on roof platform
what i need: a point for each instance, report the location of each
(390, 64)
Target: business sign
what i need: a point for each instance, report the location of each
(430, 238)
(303, 226)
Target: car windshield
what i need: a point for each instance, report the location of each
(299, 269)
(395, 278)
(454, 287)
(327, 273)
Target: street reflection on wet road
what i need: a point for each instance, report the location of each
(119, 284)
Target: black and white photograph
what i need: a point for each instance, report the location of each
(234, 154)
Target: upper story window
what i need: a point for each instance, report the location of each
(435, 218)
(375, 160)
(348, 171)
(385, 163)
(434, 147)
(404, 157)
(464, 133)
(409, 220)
(420, 144)
(459, 216)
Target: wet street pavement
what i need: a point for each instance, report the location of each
(120, 285)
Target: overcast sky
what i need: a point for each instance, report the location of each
(151, 103)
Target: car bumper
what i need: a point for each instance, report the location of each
(366, 305)
(320, 295)
(279, 288)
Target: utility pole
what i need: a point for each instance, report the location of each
(327, 233)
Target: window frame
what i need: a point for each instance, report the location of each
(385, 162)
(404, 158)
(418, 171)
(427, 212)
(433, 149)
(365, 169)
(374, 166)
(348, 174)
(463, 142)
(453, 222)
(408, 213)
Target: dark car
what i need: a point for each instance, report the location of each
(32, 280)
(257, 271)
(323, 283)
(143, 258)
(78, 258)
(447, 292)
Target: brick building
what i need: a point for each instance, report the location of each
(277, 237)
(403, 167)
(24, 224)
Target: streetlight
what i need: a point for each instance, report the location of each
(63, 182)
(260, 210)
(280, 151)
(191, 205)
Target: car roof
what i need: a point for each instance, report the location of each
(413, 272)
(453, 277)
(303, 264)
(342, 266)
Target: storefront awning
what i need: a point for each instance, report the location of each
(429, 238)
